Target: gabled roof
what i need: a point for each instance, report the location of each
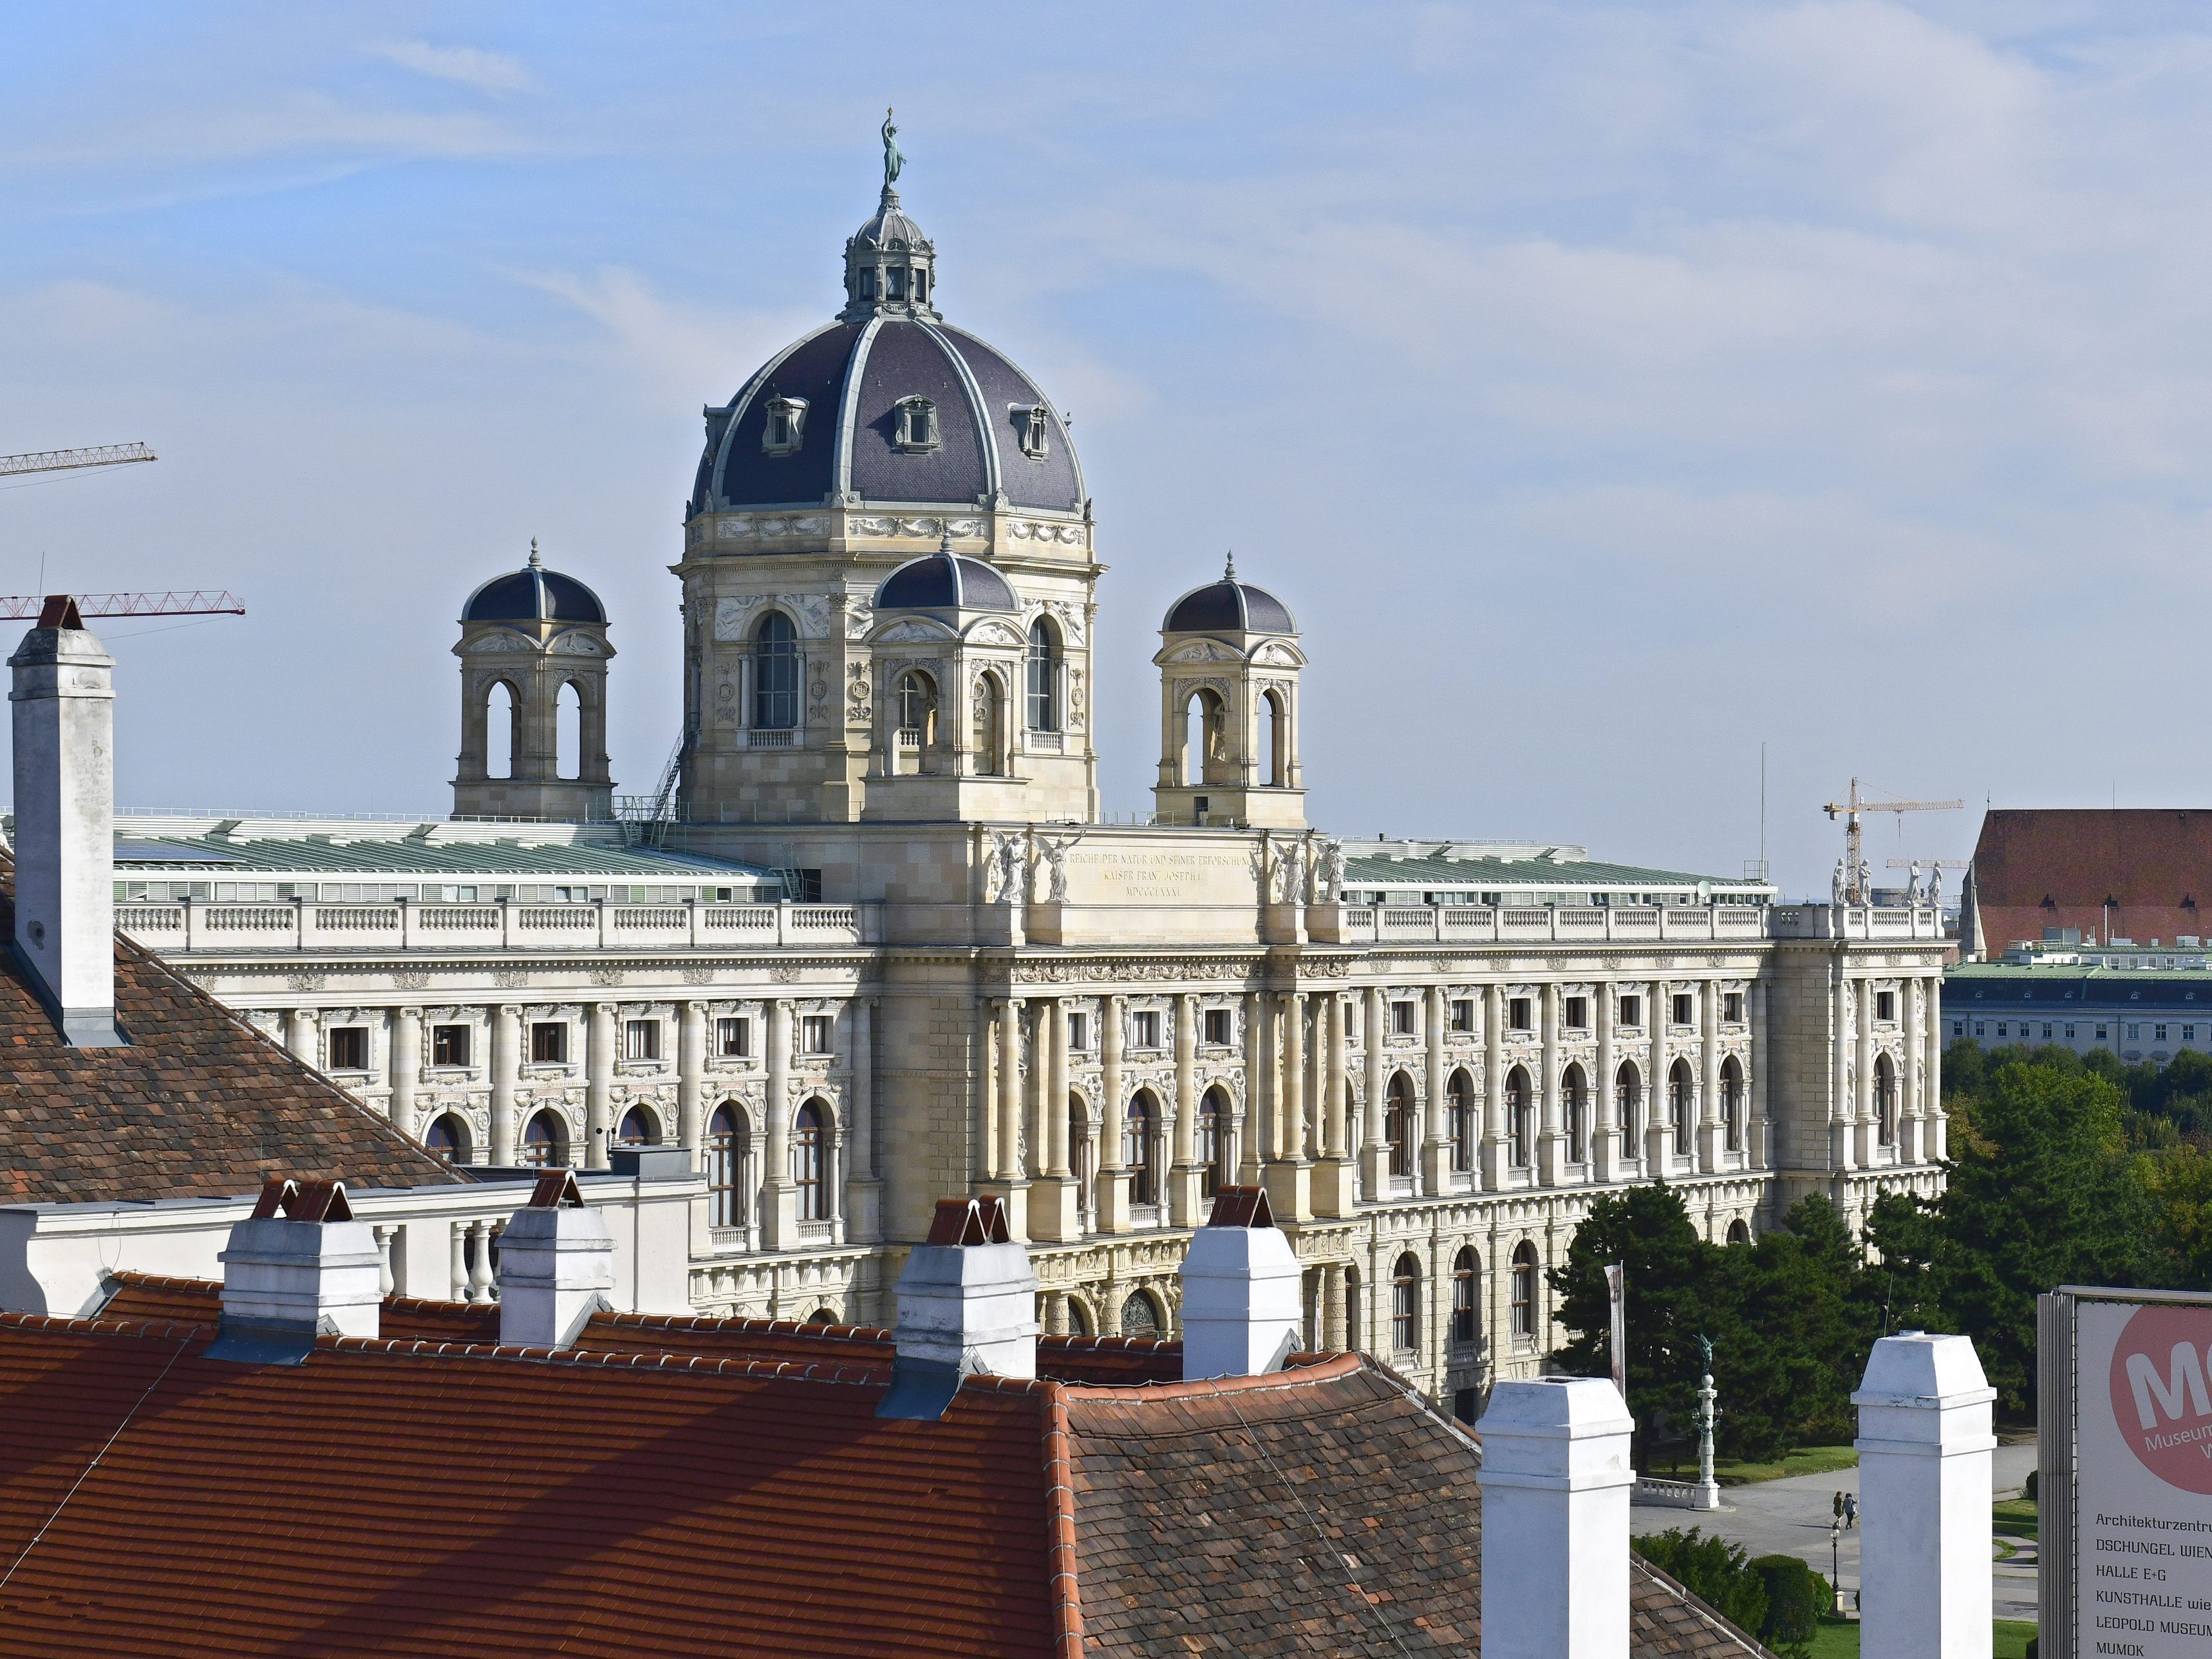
(426, 1498)
(197, 1104)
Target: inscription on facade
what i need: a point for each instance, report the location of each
(1129, 878)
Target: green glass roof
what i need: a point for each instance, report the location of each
(1433, 872)
(407, 856)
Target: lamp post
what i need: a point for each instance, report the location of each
(1709, 1490)
(1836, 1566)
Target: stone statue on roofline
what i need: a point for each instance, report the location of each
(1840, 886)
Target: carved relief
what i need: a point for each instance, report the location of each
(572, 644)
(856, 694)
(503, 640)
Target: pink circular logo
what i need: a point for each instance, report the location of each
(2161, 1385)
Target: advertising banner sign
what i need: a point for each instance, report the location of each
(2127, 1456)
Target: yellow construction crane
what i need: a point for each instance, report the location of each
(69, 461)
(1857, 883)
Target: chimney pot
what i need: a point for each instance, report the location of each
(1243, 1310)
(1555, 1492)
(299, 1265)
(557, 1261)
(64, 768)
(967, 1304)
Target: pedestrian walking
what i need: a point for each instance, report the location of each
(1839, 1508)
(1851, 1510)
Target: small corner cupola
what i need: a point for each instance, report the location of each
(1242, 1311)
(945, 581)
(535, 594)
(1230, 715)
(298, 1267)
(556, 1262)
(890, 267)
(967, 1304)
(63, 728)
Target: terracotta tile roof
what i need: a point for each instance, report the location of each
(2153, 864)
(428, 1499)
(199, 1104)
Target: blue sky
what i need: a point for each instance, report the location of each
(1611, 388)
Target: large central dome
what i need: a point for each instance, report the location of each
(889, 406)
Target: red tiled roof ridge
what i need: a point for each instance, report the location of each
(415, 1346)
(1323, 1369)
(743, 1325)
(1060, 1556)
(92, 1324)
(1690, 1601)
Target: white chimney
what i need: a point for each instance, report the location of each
(301, 1265)
(1242, 1309)
(967, 1304)
(556, 1261)
(1555, 1489)
(1927, 1463)
(64, 735)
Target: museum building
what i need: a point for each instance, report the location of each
(880, 949)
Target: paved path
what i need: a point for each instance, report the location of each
(1792, 1517)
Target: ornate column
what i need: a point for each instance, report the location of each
(1186, 1202)
(506, 1066)
(1054, 1210)
(778, 1195)
(1436, 1144)
(404, 1060)
(302, 1035)
(1841, 1141)
(598, 1083)
(1863, 1084)
(1762, 1122)
(867, 1187)
(1911, 1051)
(1290, 1177)
(1658, 1107)
(1604, 1146)
(1935, 1132)
(1374, 1151)
(691, 1074)
(1334, 1184)
(1333, 1334)
(1495, 1148)
(1113, 1199)
(1712, 1136)
(1552, 1142)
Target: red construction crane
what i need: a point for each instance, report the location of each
(197, 603)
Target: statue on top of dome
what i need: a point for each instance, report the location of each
(893, 161)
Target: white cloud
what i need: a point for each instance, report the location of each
(467, 66)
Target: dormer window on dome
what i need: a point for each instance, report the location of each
(916, 429)
(785, 426)
(1033, 426)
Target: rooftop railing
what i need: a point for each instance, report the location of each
(188, 924)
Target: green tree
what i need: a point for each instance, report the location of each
(1796, 1596)
(1673, 1296)
(1798, 1326)
(1712, 1570)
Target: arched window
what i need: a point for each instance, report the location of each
(1628, 1105)
(1205, 738)
(448, 1137)
(1140, 1148)
(1466, 1282)
(1213, 1138)
(1406, 1304)
(1681, 1104)
(917, 707)
(568, 732)
(988, 738)
(1520, 1117)
(1524, 1289)
(823, 1317)
(1732, 1103)
(1460, 1097)
(545, 1141)
(640, 1128)
(775, 673)
(1079, 1318)
(1044, 677)
(1738, 1233)
(1885, 1100)
(1574, 1098)
(1138, 1316)
(1354, 1314)
(1277, 739)
(809, 1155)
(502, 730)
(1398, 1116)
(728, 1141)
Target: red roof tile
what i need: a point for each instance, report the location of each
(198, 1105)
(2058, 867)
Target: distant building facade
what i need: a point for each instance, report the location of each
(2089, 876)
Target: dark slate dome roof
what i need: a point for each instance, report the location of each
(852, 376)
(1229, 606)
(534, 593)
(943, 581)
